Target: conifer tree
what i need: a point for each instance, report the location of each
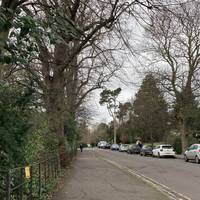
(150, 116)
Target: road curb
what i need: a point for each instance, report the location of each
(170, 193)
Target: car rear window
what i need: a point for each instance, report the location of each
(167, 147)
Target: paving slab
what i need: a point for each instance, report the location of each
(91, 178)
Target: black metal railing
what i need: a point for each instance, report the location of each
(29, 182)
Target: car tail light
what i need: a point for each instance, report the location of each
(198, 150)
(161, 150)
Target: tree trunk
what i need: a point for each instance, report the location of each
(115, 130)
(183, 132)
(151, 136)
(71, 78)
(55, 116)
(54, 96)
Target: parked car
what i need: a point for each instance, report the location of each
(107, 146)
(193, 153)
(102, 144)
(164, 150)
(123, 147)
(133, 149)
(98, 144)
(146, 150)
(114, 147)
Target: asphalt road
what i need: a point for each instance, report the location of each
(92, 178)
(176, 174)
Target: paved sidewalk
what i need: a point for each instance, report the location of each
(93, 179)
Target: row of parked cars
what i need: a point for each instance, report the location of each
(163, 150)
(144, 150)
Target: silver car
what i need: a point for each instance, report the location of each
(123, 147)
(102, 144)
(193, 153)
(114, 147)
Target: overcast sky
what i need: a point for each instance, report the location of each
(100, 113)
(132, 74)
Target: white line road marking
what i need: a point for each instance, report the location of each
(159, 186)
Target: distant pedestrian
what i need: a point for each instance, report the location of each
(140, 145)
(81, 147)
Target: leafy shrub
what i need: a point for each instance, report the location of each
(14, 124)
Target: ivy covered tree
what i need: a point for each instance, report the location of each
(150, 116)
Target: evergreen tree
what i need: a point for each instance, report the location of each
(150, 116)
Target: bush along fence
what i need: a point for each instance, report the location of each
(29, 182)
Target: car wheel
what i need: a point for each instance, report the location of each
(197, 160)
(185, 158)
(141, 153)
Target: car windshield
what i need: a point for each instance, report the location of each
(103, 143)
(147, 146)
(167, 147)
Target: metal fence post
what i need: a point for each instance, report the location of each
(52, 168)
(39, 180)
(55, 170)
(21, 183)
(8, 186)
(31, 182)
(57, 166)
(48, 169)
(58, 158)
(45, 173)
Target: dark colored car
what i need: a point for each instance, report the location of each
(133, 149)
(146, 150)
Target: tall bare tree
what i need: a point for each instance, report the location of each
(175, 47)
(109, 98)
(71, 30)
(80, 25)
